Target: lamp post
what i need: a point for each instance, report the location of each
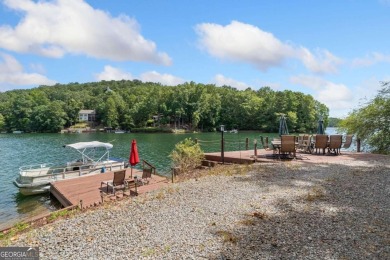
(222, 144)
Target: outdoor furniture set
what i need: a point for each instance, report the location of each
(288, 145)
(120, 182)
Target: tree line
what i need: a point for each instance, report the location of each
(129, 104)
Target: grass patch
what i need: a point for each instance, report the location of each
(160, 195)
(61, 214)
(227, 236)
(248, 222)
(148, 252)
(315, 193)
(259, 215)
(253, 217)
(6, 236)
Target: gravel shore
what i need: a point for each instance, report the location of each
(288, 210)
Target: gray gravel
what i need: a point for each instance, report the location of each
(277, 211)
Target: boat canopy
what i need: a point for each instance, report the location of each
(86, 145)
(88, 151)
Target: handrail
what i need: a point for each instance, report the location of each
(35, 166)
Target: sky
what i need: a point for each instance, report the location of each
(338, 51)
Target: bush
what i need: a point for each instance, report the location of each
(371, 123)
(187, 155)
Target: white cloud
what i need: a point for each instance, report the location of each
(59, 27)
(311, 82)
(221, 80)
(12, 74)
(243, 42)
(247, 43)
(340, 98)
(368, 89)
(111, 73)
(164, 79)
(323, 62)
(337, 97)
(371, 59)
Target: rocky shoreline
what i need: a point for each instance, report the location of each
(269, 211)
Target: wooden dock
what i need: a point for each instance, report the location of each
(237, 157)
(86, 191)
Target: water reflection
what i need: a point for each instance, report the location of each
(29, 205)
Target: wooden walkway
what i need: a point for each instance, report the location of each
(86, 191)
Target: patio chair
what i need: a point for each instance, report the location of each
(117, 182)
(335, 142)
(147, 171)
(287, 145)
(300, 141)
(321, 143)
(307, 144)
(348, 141)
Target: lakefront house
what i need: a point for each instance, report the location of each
(87, 115)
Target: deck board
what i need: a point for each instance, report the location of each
(88, 188)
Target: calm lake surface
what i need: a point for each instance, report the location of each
(24, 149)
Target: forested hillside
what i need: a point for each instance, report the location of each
(128, 104)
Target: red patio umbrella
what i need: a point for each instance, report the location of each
(134, 158)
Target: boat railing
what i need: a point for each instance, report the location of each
(39, 169)
(57, 173)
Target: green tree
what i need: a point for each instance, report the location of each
(50, 118)
(1, 122)
(19, 113)
(371, 123)
(72, 110)
(128, 104)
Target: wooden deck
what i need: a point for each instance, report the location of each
(86, 191)
(247, 157)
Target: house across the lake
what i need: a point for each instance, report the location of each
(87, 115)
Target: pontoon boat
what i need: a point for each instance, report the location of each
(35, 179)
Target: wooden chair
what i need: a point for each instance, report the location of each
(117, 182)
(307, 144)
(300, 141)
(335, 142)
(287, 145)
(147, 171)
(321, 143)
(348, 141)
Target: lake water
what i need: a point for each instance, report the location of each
(24, 149)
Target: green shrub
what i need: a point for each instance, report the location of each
(187, 155)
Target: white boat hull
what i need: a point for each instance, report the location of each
(37, 180)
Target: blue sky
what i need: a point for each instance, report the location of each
(337, 50)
